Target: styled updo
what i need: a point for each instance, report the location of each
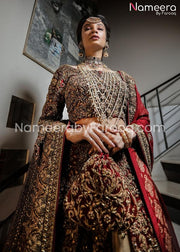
(83, 20)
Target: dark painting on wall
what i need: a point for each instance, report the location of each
(51, 37)
(20, 112)
(11, 161)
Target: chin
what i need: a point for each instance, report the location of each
(96, 46)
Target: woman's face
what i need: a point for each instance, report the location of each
(93, 36)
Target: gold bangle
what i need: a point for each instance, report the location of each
(129, 139)
(125, 139)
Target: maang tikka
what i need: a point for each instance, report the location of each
(93, 20)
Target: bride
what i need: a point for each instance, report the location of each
(89, 185)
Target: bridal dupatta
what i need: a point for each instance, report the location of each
(143, 166)
(33, 228)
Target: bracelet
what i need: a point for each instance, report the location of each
(126, 141)
(129, 139)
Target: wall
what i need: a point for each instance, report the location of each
(143, 44)
(19, 75)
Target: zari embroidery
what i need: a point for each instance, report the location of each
(122, 207)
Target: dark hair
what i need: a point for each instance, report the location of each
(83, 20)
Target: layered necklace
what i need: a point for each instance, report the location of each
(104, 87)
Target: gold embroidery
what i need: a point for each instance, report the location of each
(122, 209)
(103, 199)
(144, 143)
(149, 186)
(34, 222)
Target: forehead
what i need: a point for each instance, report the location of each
(93, 23)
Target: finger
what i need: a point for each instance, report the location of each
(98, 141)
(110, 148)
(130, 132)
(117, 139)
(109, 127)
(94, 144)
(91, 150)
(103, 137)
(112, 130)
(129, 137)
(103, 128)
(114, 150)
(127, 141)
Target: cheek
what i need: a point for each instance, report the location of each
(84, 38)
(104, 36)
(104, 39)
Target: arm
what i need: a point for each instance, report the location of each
(49, 121)
(55, 101)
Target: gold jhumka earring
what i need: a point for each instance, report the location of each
(81, 50)
(105, 51)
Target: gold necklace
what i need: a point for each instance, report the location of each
(105, 89)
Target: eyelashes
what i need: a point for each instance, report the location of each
(89, 28)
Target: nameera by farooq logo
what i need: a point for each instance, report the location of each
(158, 9)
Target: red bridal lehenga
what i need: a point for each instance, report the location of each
(73, 201)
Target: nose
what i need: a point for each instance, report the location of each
(94, 29)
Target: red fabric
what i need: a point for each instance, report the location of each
(99, 185)
(162, 226)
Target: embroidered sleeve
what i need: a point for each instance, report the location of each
(55, 101)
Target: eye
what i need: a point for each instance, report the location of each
(87, 28)
(101, 29)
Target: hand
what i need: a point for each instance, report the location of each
(124, 138)
(116, 123)
(91, 131)
(130, 133)
(116, 138)
(111, 129)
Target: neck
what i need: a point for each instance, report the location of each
(93, 62)
(96, 54)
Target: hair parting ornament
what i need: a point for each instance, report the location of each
(93, 20)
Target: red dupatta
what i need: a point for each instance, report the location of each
(143, 165)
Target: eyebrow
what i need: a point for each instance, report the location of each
(99, 24)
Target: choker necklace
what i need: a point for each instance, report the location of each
(93, 62)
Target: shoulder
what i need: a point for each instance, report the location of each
(66, 68)
(64, 71)
(127, 78)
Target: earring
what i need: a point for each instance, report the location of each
(105, 51)
(81, 50)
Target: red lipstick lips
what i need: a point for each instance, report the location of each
(94, 37)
